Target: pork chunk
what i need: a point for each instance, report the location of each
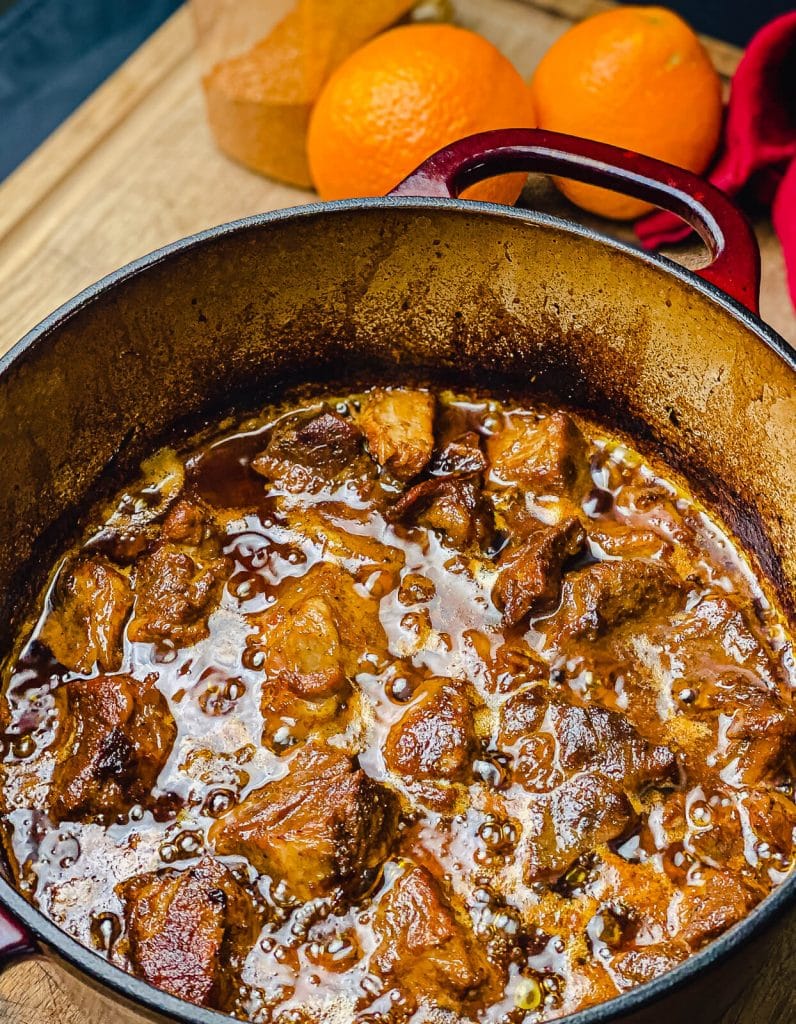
(399, 427)
(424, 945)
(530, 575)
(635, 966)
(435, 738)
(605, 595)
(85, 630)
(186, 523)
(532, 749)
(324, 826)
(115, 736)
(135, 521)
(586, 737)
(546, 456)
(454, 505)
(325, 600)
(599, 739)
(306, 688)
(709, 909)
(749, 719)
(307, 657)
(581, 763)
(176, 589)
(308, 450)
(189, 931)
(727, 625)
(461, 456)
(311, 640)
(579, 815)
(522, 714)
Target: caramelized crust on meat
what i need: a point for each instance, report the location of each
(325, 825)
(115, 738)
(189, 930)
(544, 454)
(425, 945)
(86, 629)
(177, 582)
(530, 575)
(307, 450)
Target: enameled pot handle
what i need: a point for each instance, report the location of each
(735, 266)
(15, 942)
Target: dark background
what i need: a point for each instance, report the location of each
(54, 53)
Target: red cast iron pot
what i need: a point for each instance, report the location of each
(420, 281)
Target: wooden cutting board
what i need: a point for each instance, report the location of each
(135, 167)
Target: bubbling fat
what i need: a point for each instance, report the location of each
(395, 705)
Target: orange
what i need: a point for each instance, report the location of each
(637, 77)
(404, 95)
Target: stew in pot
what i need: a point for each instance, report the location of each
(400, 705)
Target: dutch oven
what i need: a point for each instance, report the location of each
(419, 281)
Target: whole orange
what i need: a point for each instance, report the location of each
(637, 77)
(404, 95)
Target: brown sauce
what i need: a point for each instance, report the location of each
(400, 706)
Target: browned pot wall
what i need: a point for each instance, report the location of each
(478, 293)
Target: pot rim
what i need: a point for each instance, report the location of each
(145, 996)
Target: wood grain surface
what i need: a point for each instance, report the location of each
(135, 168)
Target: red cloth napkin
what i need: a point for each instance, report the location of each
(758, 153)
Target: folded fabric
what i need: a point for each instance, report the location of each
(758, 152)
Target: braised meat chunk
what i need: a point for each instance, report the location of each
(399, 427)
(323, 826)
(546, 455)
(452, 500)
(137, 518)
(530, 575)
(435, 738)
(312, 639)
(605, 595)
(188, 931)
(307, 658)
(453, 505)
(115, 736)
(424, 945)
(748, 717)
(583, 764)
(462, 456)
(177, 582)
(635, 966)
(309, 450)
(597, 738)
(86, 628)
(306, 688)
(575, 818)
(710, 908)
(186, 523)
(586, 737)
